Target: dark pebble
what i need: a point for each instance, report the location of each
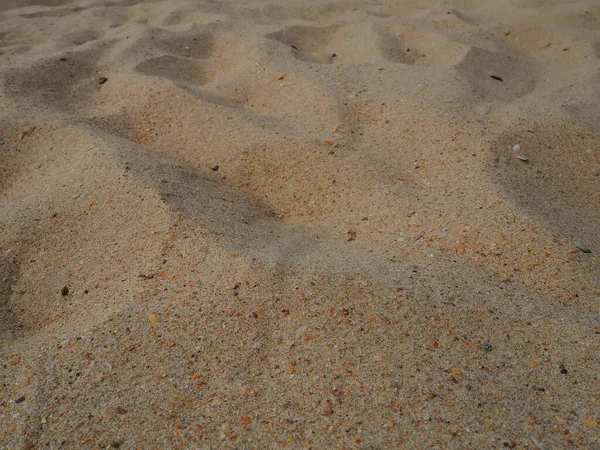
(333, 55)
(102, 80)
(564, 371)
(487, 347)
(496, 77)
(1, 142)
(20, 400)
(214, 168)
(64, 291)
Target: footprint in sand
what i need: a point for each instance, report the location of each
(498, 75)
(64, 82)
(308, 44)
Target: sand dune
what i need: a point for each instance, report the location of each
(299, 224)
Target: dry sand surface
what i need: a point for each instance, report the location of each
(301, 224)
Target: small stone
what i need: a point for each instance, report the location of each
(1, 141)
(486, 347)
(214, 168)
(15, 359)
(564, 371)
(20, 400)
(102, 80)
(23, 382)
(516, 148)
(328, 409)
(280, 77)
(442, 234)
(64, 291)
(300, 331)
(153, 318)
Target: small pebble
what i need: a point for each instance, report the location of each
(300, 331)
(64, 291)
(564, 371)
(328, 409)
(516, 148)
(14, 360)
(102, 80)
(1, 142)
(23, 382)
(214, 168)
(20, 400)
(153, 318)
(487, 347)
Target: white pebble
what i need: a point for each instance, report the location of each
(516, 148)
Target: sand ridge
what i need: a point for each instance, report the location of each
(299, 224)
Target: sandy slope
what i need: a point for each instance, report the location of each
(371, 264)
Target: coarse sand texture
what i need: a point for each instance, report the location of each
(300, 224)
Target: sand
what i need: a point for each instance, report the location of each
(299, 224)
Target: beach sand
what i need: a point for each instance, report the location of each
(300, 224)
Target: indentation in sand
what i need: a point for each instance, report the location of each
(519, 74)
(182, 70)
